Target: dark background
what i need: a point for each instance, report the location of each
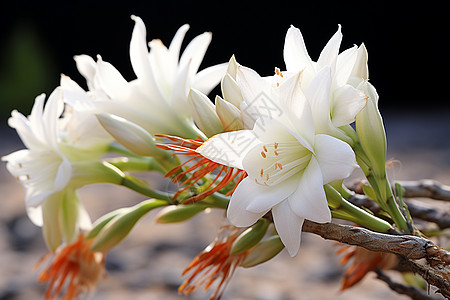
(408, 43)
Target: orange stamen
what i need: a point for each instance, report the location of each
(74, 267)
(200, 167)
(363, 261)
(213, 264)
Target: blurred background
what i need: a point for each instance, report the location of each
(408, 45)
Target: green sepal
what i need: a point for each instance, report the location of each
(250, 237)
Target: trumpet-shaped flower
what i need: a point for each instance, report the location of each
(51, 169)
(333, 78)
(158, 99)
(286, 161)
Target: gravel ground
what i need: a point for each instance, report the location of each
(148, 263)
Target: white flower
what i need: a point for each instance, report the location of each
(45, 171)
(333, 78)
(287, 163)
(41, 168)
(158, 99)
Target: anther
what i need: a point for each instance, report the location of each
(263, 154)
(265, 148)
(276, 153)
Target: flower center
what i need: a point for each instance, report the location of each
(281, 161)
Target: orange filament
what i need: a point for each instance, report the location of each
(214, 264)
(363, 261)
(201, 166)
(72, 270)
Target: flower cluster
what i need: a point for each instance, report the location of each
(272, 151)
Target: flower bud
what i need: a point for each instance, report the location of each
(120, 225)
(370, 130)
(232, 67)
(229, 115)
(130, 135)
(250, 237)
(204, 113)
(231, 91)
(360, 69)
(263, 251)
(178, 213)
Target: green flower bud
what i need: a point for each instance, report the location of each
(263, 251)
(250, 237)
(204, 113)
(130, 135)
(118, 228)
(179, 213)
(371, 133)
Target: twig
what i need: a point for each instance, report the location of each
(426, 188)
(410, 291)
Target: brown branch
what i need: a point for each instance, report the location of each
(408, 246)
(412, 248)
(426, 188)
(412, 292)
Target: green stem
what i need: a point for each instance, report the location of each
(139, 187)
(395, 213)
(216, 200)
(134, 164)
(342, 209)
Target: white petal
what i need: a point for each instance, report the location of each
(84, 220)
(263, 197)
(229, 148)
(237, 213)
(25, 132)
(231, 91)
(139, 50)
(208, 78)
(112, 81)
(344, 65)
(195, 51)
(87, 67)
(330, 52)
(295, 54)
(163, 65)
(309, 200)
(318, 94)
(177, 40)
(35, 215)
(252, 85)
(347, 103)
(63, 175)
(288, 226)
(297, 107)
(180, 90)
(53, 110)
(360, 70)
(335, 157)
(140, 61)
